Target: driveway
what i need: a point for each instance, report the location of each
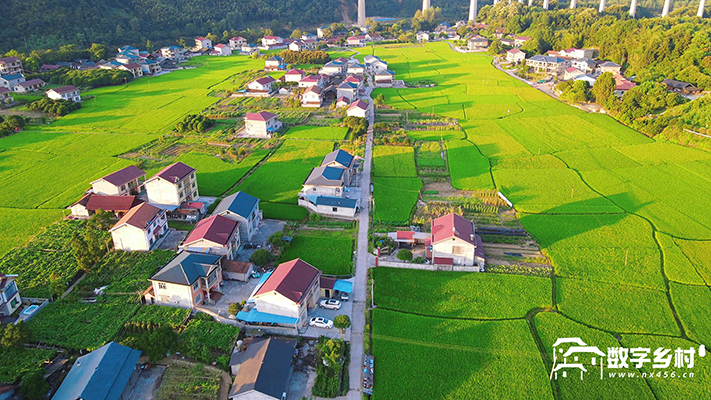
(346, 308)
(172, 240)
(234, 292)
(267, 228)
(147, 384)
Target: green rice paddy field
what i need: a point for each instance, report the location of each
(623, 218)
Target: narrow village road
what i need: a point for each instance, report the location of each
(355, 370)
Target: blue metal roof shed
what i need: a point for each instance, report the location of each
(99, 375)
(254, 316)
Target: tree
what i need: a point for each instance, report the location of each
(276, 239)
(212, 37)
(379, 99)
(149, 45)
(56, 286)
(404, 255)
(33, 386)
(261, 257)
(342, 322)
(604, 89)
(15, 335)
(15, 121)
(158, 343)
(296, 34)
(234, 308)
(496, 47)
(101, 220)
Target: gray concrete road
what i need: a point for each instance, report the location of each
(147, 384)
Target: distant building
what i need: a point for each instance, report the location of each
(547, 64)
(355, 41)
(203, 43)
(312, 80)
(10, 65)
(102, 374)
(262, 124)
(140, 228)
(222, 50)
(374, 64)
(478, 43)
(571, 73)
(64, 93)
(680, 87)
(609, 66)
(586, 65)
(10, 80)
(237, 42)
(577, 53)
(261, 85)
(384, 78)
(521, 40)
(9, 295)
(312, 97)
(355, 69)
(175, 53)
(91, 203)
(423, 37)
(294, 75)
(622, 85)
(333, 68)
(134, 68)
(32, 85)
(515, 56)
(173, 185)
(268, 41)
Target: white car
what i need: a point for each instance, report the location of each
(321, 322)
(331, 304)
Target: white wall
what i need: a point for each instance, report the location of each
(333, 191)
(105, 188)
(445, 249)
(173, 295)
(130, 238)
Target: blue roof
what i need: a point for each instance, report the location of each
(186, 268)
(332, 173)
(11, 77)
(343, 286)
(255, 316)
(336, 202)
(99, 375)
(240, 203)
(343, 157)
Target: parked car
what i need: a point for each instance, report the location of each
(331, 304)
(321, 322)
(255, 274)
(344, 296)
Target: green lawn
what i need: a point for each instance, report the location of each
(331, 252)
(317, 132)
(395, 198)
(216, 176)
(394, 161)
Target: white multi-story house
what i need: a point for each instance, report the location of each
(243, 208)
(10, 80)
(64, 93)
(186, 281)
(10, 65)
(548, 64)
(358, 109)
(325, 190)
(312, 80)
(271, 41)
(214, 235)
(126, 181)
(203, 43)
(32, 85)
(173, 185)
(174, 53)
(374, 64)
(261, 85)
(454, 242)
(140, 228)
(312, 97)
(515, 56)
(261, 124)
(222, 50)
(9, 295)
(237, 42)
(294, 75)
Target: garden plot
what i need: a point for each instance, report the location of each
(697, 252)
(394, 161)
(688, 300)
(395, 198)
(455, 359)
(317, 132)
(468, 168)
(678, 267)
(430, 155)
(216, 176)
(329, 251)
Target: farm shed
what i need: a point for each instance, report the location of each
(237, 270)
(332, 287)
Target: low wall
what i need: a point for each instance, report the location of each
(427, 267)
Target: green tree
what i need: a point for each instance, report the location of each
(56, 286)
(342, 322)
(33, 386)
(158, 343)
(296, 34)
(101, 220)
(276, 239)
(234, 308)
(604, 89)
(404, 255)
(15, 335)
(261, 257)
(496, 47)
(15, 121)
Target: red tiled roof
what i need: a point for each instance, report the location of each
(291, 279)
(111, 203)
(200, 38)
(260, 116)
(265, 80)
(219, 46)
(124, 175)
(310, 78)
(216, 229)
(174, 173)
(359, 104)
(65, 89)
(9, 60)
(192, 205)
(571, 69)
(522, 38)
(295, 72)
(31, 82)
(326, 282)
(313, 89)
(132, 66)
(271, 37)
(4, 90)
(139, 216)
(515, 51)
(623, 83)
(452, 225)
(405, 235)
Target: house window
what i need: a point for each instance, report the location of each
(180, 185)
(161, 286)
(198, 298)
(335, 209)
(195, 194)
(194, 185)
(457, 250)
(196, 285)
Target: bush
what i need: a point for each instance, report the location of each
(418, 260)
(194, 123)
(201, 316)
(54, 107)
(34, 386)
(305, 57)
(234, 308)
(404, 255)
(261, 257)
(342, 322)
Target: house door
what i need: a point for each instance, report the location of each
(328, 293)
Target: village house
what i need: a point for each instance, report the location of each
(111, 64)
(103, 374)
(453, 242)
(680, 87)
(609, 66)
(214, 235)
(243, 208)
(499, 33)
(571, 73)
(303, 45)
(270, 41)
(9, 295)
(312, 80)
(91, 203)
(294, 75)
(237, 42)
(222, 50)
(312, 97)
(172, 186)
(187, 281)
(174, 53)
(508, 42)
(587, 78)
(423, 37)
(150, 67)
(521, 40)
(622, 85)
(384, 78)
(126, 181)
(320, 31)
(203, 43)
(133, 68)
(585, 65)
(342, 102)
(6, 96)
(129, 50)
(262, 124)
(324, 190)
(576, 53)
(358, 109)
(355, 41)
(274, 63)
(140, 228)
(285, 296)
(515, 56)
(547, 64)
(9, 81)
(261, 85)
(373, 37)
(64, 93)
(249, 48)
(10, 65)
(32, 85)
(325, 181)
(373, 64)
(478, 42)
(355, 69)
(237, 270)
(263, 370)
(333, 68)
(348, 90)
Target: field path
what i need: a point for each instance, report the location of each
(355, 370)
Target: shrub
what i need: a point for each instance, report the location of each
(54, 107)
(201, 316)
(418, 260)
(342, 322)
(234, 308)
(261, 257)
(194, 123)
(34, 386)
(404, 255)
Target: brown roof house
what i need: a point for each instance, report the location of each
(455, 243)
(140, 229)
(237, 270)
(214, 235)
(172, 186)
(126, 181)
(262, 124)
(92, 202)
